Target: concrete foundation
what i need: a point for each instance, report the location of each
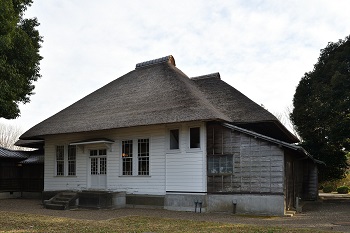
(255, 204)
(145, 201)
(94, 199)
(100, 199)
(7, 195)
(250, 204)
(186, 202)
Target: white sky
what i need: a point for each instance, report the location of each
(262, 48)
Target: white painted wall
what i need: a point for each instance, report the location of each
(184, 170)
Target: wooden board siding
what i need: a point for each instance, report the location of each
(291, 181)
(310, 182)
(33, 177)
(185, 170)
(301, 180)
(257, 165)
(10, 177)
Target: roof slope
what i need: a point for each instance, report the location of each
(230, 101)
(12, 154)
(157, 92)
(152, 94)
(241, 110)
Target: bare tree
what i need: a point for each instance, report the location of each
(284, 118)
(9, 134)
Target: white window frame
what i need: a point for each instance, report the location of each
(66, 161)
(135, 157)
(59, 161)
(127, 158)
(200, 138)
(101, 157)
(168, 138)
(69, 161)
(143, 157)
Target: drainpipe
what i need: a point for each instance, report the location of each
(199, 204)
(297, 204)
(234, 204)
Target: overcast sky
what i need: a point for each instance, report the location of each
(262, 48)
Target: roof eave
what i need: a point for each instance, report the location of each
(275, 141)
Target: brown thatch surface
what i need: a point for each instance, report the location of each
(240, 109)
(230, 101)
(156, 92)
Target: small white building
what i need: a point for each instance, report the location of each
(157, 138)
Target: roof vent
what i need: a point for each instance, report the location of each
(168, 59)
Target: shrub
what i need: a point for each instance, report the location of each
(328, 189)
(343, 189)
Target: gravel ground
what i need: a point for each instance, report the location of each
(327, 215)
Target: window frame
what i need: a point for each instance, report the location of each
(72, 163)
(143, 157)
(60, 162)
(223, 163)
(168, 145)
(126, 159)
(98, 161)
(199, 139)
(134, 160)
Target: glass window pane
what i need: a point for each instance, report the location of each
(174, 139)
(195, 137)
(93, 152)
(94, 166)
(143, 157)
(60, 160)
(103, 166)
(102, 152)
(127, 157)
(72, 151)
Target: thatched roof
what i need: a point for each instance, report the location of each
(240, 109)
(156, 92)
(30, 143)
(230, 101)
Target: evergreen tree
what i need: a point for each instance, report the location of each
(321, 111)
(19, 56)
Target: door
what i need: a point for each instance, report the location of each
(98, 169)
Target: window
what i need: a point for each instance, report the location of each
(103, 161)
(135, 156)
(195, 137)
(98, 162)
(127, 157)
(94, 166)
(220, 173)
(220, 164)
(143, 156)
(60, 160)
(72, 152)
(174, 139)
(103, 166)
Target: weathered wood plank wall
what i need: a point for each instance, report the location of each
(257, 166)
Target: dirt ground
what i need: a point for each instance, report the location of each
(329, 214)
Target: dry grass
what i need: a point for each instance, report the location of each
(20, 222)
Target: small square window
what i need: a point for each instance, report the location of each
(174, 139)
(195, 137)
